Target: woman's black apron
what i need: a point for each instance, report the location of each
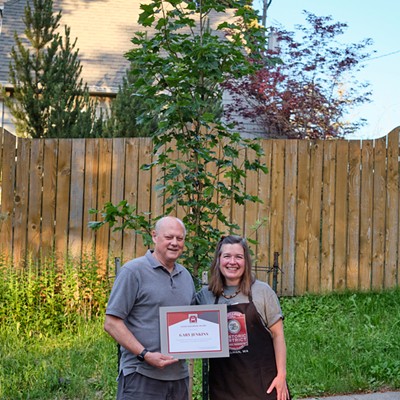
(251, 367)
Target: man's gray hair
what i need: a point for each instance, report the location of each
(162, 220)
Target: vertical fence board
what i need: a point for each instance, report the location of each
(157, 197)
(180, 211)
(341, 207)
(397, 281)
(77, 197)
(50, 151)
(238, 211)
(379, 206)
(171, 202)
(131, 192)
(264, 193)
(104, 196)
(35, 198)
(62, 199)
(303, 216)
(1, 158)
(1, 169)
(171, 206)
(289, 217)
(392, 210)
(353, 220)
(7, 195)
(145, 187)
(90, 201)
(212, 170)
(21, 201)
(1, 152)
(226, 203)
(328, 213)
(277, 199)
(366, 214)
(117, 191)
(314, 241)
(250, 208)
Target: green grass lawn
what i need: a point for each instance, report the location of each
(343, 343)
(78, 365)
(339, 343)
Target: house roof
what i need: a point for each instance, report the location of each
(104, 29)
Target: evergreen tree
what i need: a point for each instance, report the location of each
(124, 112)
(131, 114)
(50, 99)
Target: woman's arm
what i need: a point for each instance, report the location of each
(279, 383)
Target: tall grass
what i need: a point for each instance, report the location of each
(52, 344)
(48, 298)
(53, 347)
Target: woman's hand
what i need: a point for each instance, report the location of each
(279, 383)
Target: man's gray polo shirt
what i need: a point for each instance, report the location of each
(142, 286)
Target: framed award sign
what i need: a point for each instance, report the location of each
(194, 331)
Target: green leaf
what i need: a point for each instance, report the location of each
(95, 224)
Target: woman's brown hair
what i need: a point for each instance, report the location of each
(217, 280)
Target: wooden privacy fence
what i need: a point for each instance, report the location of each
(331, 207)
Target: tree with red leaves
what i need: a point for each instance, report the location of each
(310, 93)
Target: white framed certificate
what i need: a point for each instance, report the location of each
(194, 331)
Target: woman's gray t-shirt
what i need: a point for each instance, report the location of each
(264, 298)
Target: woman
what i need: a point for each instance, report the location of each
(256, 368)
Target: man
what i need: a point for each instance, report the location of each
(132, 317)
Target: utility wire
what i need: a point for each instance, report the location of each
(383, 55)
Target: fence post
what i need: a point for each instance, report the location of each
(204, 282)
(117, 264)
(275, 270)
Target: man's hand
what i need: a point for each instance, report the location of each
(159, 360)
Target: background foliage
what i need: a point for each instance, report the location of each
(312, 90)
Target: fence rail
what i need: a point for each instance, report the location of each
(331, 207)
